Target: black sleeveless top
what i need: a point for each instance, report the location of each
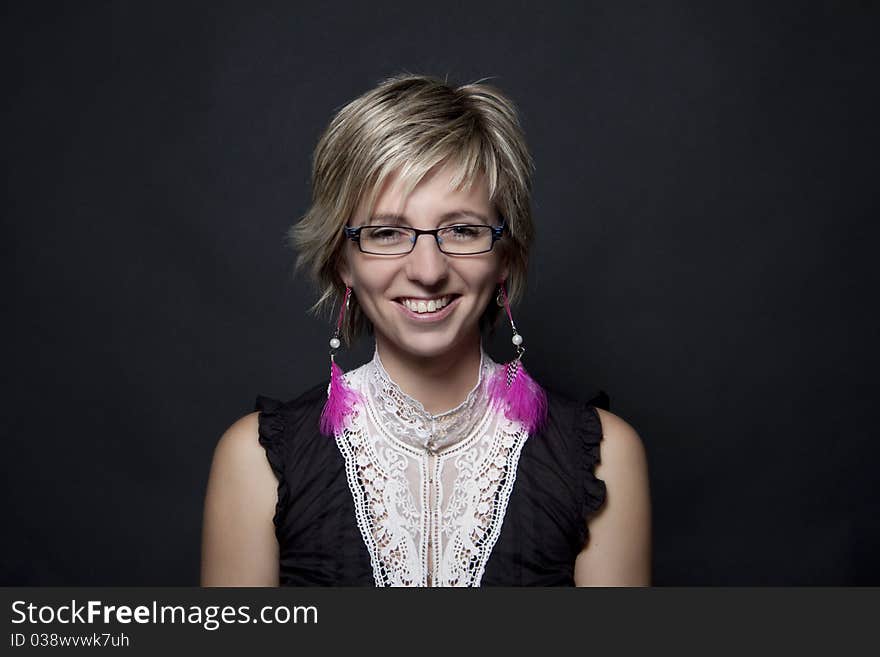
(543, 530)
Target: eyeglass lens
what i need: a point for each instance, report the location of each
(398, 240)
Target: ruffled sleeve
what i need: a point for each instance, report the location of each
(271, 437)
(600, 400)
(588, 431)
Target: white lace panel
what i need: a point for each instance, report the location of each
(430, 492)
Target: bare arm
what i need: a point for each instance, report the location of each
(239, 547)
(618, 552)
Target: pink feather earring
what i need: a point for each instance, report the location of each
(512, 389)
(340, 397)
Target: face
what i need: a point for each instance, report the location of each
(384, 284)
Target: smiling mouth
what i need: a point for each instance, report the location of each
(426, 306)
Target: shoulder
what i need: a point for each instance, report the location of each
(238, 452)
(567, 410)
(245, 442)
(238, 543)
(618, 552)
(278, 419)
(572, 427)
(621, 445)
(303, 403)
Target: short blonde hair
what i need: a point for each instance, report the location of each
(408, 125)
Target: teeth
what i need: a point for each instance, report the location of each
(421, 306)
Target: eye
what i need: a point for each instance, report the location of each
(386, 234)
(464, 232)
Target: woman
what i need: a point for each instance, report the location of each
(430, 465)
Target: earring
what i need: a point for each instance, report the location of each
(340, 397)
(511, 388)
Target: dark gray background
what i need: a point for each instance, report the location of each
(706, 208)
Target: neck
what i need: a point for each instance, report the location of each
(440, 382)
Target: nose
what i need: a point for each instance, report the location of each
(426, 264)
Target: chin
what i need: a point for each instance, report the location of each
(427, 344)
(427, 348)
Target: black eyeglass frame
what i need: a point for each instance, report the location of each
(354, 234)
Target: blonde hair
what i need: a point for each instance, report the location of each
(408, 125)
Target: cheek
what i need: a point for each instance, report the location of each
(372, 279)
(483, 276)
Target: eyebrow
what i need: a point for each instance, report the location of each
(393, 219)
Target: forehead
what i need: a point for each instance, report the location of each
(440, 190)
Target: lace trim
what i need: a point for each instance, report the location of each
(387, 515)
(406, 418)
(429, 518)
(472, 521)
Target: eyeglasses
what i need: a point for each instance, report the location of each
(458, 239)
